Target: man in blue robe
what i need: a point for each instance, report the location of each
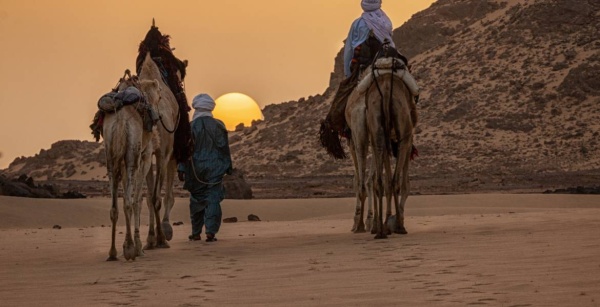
(372, 23)
(203, 173)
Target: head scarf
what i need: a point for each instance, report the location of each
(377, 20)
(203, 105)
(370, 5)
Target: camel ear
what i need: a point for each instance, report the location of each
(185, 63)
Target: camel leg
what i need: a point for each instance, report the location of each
(169, 200)
(151, 238)
(359, 225)
(404, 159)
(114, 210)
(369, 189)
(378, 188)
(137, 211)
(380, 233)
(161, 241)
(374, 120)
(376, 200)
(144, 168)
(389, 189)
(128, 244)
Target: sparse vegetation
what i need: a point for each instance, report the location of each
(510, 95)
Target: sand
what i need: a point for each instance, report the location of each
(461, 250)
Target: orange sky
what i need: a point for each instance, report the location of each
(58, 57)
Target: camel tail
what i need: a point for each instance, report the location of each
(387, 116)
(330, 140)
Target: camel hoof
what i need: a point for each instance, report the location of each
(359, 226)
(381, 236)
(129, 251)
(112, 258)
(163, 245)
(149, 247)
(167, 230)
(129, 255)
(359, 229)
(400, 230)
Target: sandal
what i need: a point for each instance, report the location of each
(210, 237)
(195, 237)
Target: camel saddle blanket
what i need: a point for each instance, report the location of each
(114, 101)
(386, 66)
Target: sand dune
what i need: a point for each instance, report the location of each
(493, 249)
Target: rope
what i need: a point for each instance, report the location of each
(163, 123)
(198, 179)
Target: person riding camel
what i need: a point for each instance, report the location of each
(367, 35)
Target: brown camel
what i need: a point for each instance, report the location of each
(128, 159)
(166, 166)
(390, 119)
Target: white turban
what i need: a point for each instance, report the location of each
(377, 20)
(203, 105)
(370, 5)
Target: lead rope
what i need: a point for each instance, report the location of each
(176, 122)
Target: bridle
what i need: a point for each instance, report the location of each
(396, 64)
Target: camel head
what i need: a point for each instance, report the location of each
(151, 89)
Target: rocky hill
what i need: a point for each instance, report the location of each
(510, 101)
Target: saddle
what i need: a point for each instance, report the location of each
(113, 101)
(389, 65)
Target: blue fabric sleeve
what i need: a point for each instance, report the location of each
(359, 32)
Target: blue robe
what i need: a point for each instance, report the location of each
(204, 172)
(359, 32)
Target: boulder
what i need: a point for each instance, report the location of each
(236, 186)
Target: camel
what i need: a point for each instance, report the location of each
(390, 117)
(356, 112)
(166, 166)
(128, 158)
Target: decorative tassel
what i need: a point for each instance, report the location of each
(330, 140)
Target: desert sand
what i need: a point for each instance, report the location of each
(461, 250)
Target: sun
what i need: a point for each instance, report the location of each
(236, 108)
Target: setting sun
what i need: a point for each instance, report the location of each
(236, 108)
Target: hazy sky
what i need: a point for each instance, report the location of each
(58, 57)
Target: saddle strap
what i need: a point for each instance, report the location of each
(403, 74)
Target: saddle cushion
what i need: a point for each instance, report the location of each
(386, 66)
(129, 95)
(107, 103)
(113, 101)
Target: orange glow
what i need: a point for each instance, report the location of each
(236, 108)
(59, 57)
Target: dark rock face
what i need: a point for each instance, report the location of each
(575, 190)
(236, 186)
(25, 187)
(582, 81)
